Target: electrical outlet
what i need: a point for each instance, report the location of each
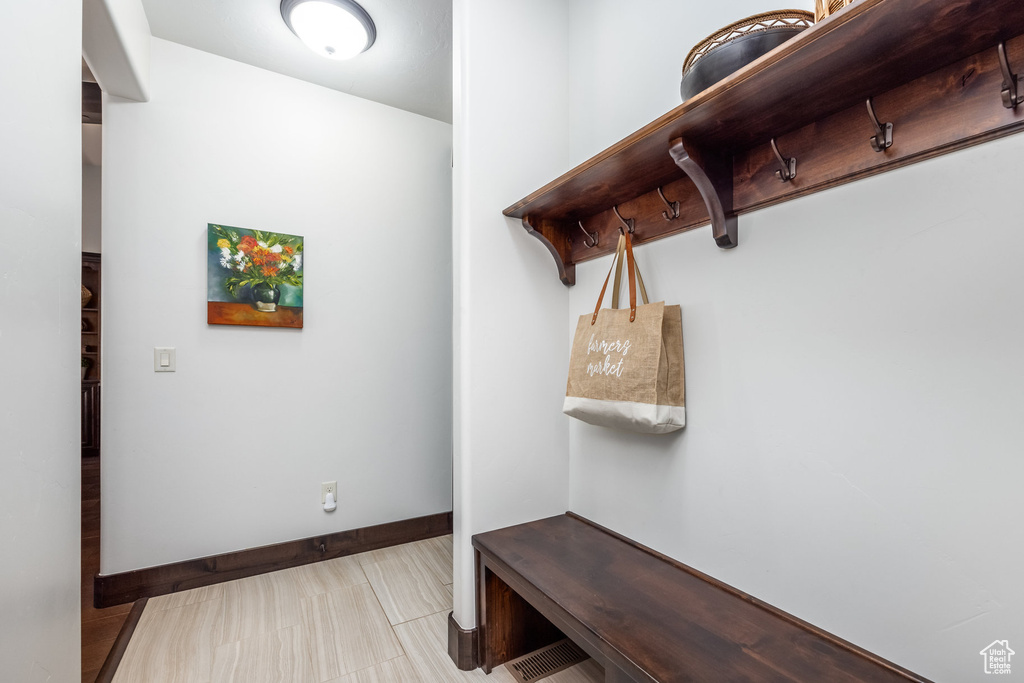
(328, 487)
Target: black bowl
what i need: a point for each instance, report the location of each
(731, 57)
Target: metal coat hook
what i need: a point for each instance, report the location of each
(882, 139)
(673, 207)
(627, 224)
(788, 170)
(592, 236)
(1012, 95)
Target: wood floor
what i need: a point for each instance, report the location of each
(378, 617)
(99, 626)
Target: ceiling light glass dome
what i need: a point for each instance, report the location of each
(336, 29)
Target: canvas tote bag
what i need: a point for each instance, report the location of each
(626, 366)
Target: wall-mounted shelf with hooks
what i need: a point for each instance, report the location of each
(931, 73)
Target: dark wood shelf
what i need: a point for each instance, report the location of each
(90, 310)
(931, 67)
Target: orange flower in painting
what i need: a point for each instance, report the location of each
(269, 271)
(289, 250)
(264, 257)
(247, 243)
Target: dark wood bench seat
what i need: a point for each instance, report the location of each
(643, 616)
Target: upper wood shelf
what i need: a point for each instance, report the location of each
(867, 49)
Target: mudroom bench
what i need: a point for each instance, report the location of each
(643, 616)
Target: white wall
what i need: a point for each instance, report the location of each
(92, 231)
(92, 141)
(627, 61)
(229, 451)
(40, 274)
(854, 373)
(511, 115)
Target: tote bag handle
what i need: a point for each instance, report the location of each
(618, 276)
(625, 247)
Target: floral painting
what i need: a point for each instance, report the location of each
(253, 277)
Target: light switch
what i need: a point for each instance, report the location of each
(163, 359)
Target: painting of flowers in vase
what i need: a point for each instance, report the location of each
(253, 277)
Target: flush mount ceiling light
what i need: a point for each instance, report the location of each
(336, 29)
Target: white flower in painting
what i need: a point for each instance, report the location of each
(225, 252)
(239, 256)
(262, 244)
(225, 262)
(297, 261)
(241, 267)
(277, 249)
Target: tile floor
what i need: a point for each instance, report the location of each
(379, 617)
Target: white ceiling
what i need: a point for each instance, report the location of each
(409, 66)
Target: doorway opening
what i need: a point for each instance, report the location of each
(99, 626)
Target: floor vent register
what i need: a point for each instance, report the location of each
(546, 661)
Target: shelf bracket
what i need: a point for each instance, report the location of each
(713, 178)
(556, 238)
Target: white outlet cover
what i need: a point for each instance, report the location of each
(326, 486)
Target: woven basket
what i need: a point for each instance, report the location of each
(86, 295)
(824, 8)
(754, 24)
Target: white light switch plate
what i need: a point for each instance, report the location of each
(163, 359)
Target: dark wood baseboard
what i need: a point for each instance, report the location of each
(124, 636)
(117, 589)
(462, 645)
